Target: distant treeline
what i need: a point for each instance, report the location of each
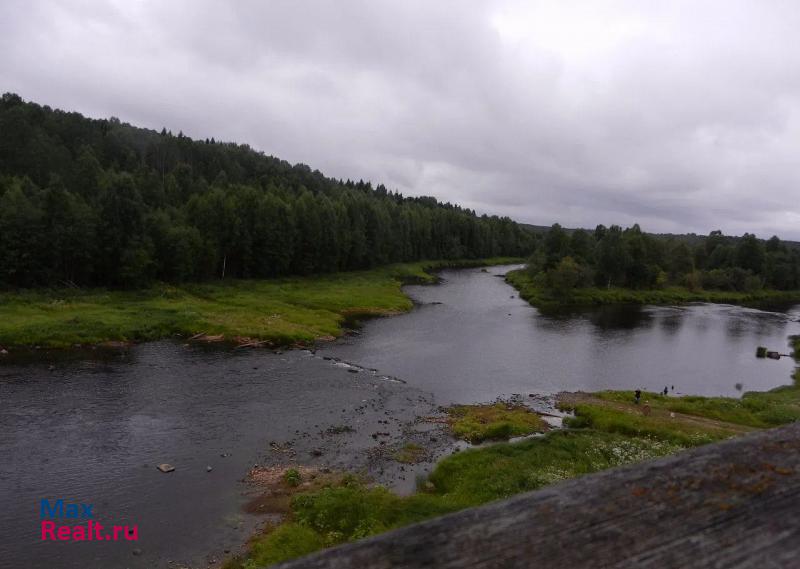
(103, 203)
(612, 256)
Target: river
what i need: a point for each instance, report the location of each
(472, 339)
(90, 427)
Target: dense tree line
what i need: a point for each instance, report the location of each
(99, 202)
(612, 256)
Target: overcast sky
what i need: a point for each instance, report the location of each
(682, 116)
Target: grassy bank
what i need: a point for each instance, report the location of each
(608, 429)
(283, 311)
(756, 409)
(542, 298)
(354, 510)
(498, 421)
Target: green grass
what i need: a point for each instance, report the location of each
(637, 425)
(717, 417)
(286, 541)
(292, 477)
(498, 421)
(755, 408)
(540, 297)
(481, 475)
(283, 311)
(609, 433)
(343, 513)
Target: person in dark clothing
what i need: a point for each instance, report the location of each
(637, 395)
(665, 391)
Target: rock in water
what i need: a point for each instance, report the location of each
(166, 467)
(209, 469)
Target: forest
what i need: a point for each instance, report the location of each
(101, 203)
(88, 202)
(629, 258)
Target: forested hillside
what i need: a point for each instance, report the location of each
(630, 258)
(103, 203)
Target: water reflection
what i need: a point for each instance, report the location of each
(613, 317)
(481, 343)
(672, 322)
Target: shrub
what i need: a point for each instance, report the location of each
(292, 477)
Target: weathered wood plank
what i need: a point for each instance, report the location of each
(733, 504)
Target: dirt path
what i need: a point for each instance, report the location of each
(566, 399)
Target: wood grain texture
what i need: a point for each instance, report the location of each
(732, 504)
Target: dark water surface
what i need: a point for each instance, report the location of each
(483, 341)
(92, 429)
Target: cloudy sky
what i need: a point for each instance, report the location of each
(682, 116)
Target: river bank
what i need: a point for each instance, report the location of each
(277, 312)
(542, 298)
(360, 420)
(95, 429)
(605, 430)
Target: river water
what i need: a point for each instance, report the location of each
(90, 427)
(473, 339)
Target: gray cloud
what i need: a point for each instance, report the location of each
(682, 116)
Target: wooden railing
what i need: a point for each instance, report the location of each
(732, 504)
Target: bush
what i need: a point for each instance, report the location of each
(292, 477)
(345, 513)
(753, 283)
(287, 541)
(567, 275)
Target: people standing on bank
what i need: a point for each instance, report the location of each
(637, 395)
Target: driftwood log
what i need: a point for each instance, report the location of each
(732, 504)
